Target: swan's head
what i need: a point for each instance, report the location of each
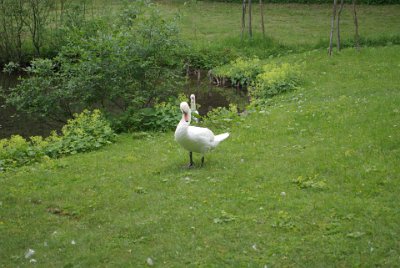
(192, 98)
(185, 111)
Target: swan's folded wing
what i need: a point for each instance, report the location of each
(200, 132)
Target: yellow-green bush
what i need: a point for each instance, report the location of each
(87, 131)
(273, 80)
(239, 72)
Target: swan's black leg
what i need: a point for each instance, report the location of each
(202, 160)
(191, 159)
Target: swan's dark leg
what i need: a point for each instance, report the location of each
(191, 159)
(202, 160)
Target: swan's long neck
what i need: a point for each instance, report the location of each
(182, 128)
(193, 104)
(185, 121)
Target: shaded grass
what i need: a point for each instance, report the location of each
(135, 199)
(288, 26)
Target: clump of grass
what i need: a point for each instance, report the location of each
(310, 182)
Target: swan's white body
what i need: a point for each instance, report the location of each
(195, 139)
(193, 108)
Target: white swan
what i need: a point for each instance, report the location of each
(195, 139)
(193, 107)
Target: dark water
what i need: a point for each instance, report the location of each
(12, 123)
(207, 98)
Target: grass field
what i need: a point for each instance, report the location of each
(290, 24)
(293, 25)
(312, 180)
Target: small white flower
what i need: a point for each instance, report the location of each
(32, 261)
(283, 194)
(73, 242)
(150, 261)
(29, 253)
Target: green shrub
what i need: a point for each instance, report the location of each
(207, 58)
(273, 80)
(86, 132)
(221, 118)
(127, 64)
(239, 72)
(17, 151)
(162, 117)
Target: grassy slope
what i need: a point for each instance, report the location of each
(134, 199)
(290, 24)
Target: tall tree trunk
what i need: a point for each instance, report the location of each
(262, 17)
(356, 36)
(62, 12)
(332, 27)
(250, 26)
(243, 17)
(338, 24)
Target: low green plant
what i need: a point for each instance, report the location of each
(310, 182)
(17, 151)
(275, 79)
(87, 131)
(240, 72)
(222, 118)
(162, 117)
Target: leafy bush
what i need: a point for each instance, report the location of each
(240, 71)
(263, 80)
(222, 118)
(207, 58)
(162, 117)
(125, 65)
(86, 132)
(16, 151)
(274, 80)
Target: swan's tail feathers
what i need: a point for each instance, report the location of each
(221, 137)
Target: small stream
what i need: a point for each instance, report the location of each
(207, 97)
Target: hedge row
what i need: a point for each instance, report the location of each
(368, 2)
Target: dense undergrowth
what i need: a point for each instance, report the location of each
(88, 131)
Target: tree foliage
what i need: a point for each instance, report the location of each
(129, 65)
(35, 28)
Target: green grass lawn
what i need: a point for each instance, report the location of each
(293, 25)
(331, 147)
(218, 24)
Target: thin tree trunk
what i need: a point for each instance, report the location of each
(262, 17)
(356, 36)
(243, 17)
(62, 12)
(332, 27)
(338, 24)
(250, 27)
